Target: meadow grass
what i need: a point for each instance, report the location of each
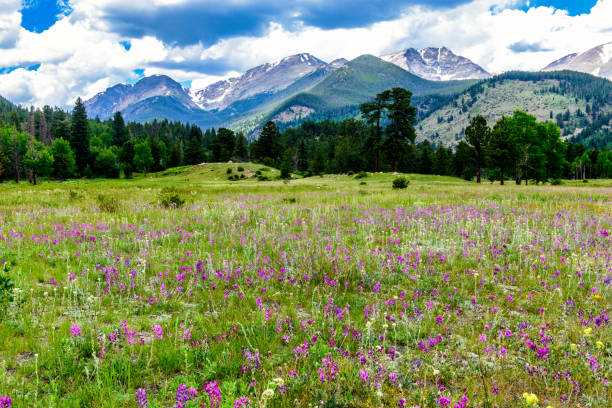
(324, 291)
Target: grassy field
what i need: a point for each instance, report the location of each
(326, 291)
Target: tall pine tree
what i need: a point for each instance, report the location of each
(79, 136)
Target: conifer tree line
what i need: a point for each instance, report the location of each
(51, 143)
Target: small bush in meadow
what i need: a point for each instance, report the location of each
(107, 204)
(555, 182)
(400, 182)
(171, 198)
(361, 174)
(229, 170)
(240, 169)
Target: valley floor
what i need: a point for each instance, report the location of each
(326, 291)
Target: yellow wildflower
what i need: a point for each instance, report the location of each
(574, 346)
(587, 332)
(530, 399)
(599, 344)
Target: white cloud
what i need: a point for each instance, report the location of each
(80, 56)
(10, 19)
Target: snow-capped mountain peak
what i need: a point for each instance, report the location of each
(596, 61)
(437, 64)
(270, 77)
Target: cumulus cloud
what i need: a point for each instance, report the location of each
(10, 19)
(85, 52)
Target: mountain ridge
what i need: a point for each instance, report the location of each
(596, 61)
(436, 64)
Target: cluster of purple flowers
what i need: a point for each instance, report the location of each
(6, 402)
(242, 402)
(214, 395)
(329, 370)
(184, 394)
(75, 330)
(141, 398)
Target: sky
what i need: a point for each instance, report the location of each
(53, 51)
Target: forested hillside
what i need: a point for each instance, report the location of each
(576, 102)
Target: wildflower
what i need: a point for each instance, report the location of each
(328, 372)
(75, 330)
(184, 394)
(242, 402)
(141, 398)
(574, 346)
(214, 395)
(530, 399)
(587, 332)
(599, 344)
(266, 395)
(6, 402)
(364, 376)
(159, 334)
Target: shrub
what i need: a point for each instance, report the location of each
(242, 176)
(264, 169)
(350, 173)
(400, 182)
(363, 183)
(585, 180)
(229, 170)
(170, 198)
(361, 174)
(107, 204)
(258, 172)
(240, 168)
(127, 170)
(556, 182)
(494, 175)
(74, 195)
(6, 288)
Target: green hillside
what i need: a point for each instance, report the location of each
(575, 101)
(339, 95)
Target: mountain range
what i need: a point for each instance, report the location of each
(302, 86)
(436, 64)
(596, 61)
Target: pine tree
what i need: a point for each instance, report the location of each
(119, 133)
(477, 135)
(241, 148)
(269, 144)
(79, 136)
(176, 154)
(194, 152)
(400, 130)
(373, 112)
(500, 152)
(287, 164)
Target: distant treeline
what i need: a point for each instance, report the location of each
(52, 143)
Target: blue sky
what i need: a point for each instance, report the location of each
(54, 50)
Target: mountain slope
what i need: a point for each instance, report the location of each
(120, 97)
(267, 78)
(365, 76)
(573, 100)
(596, 61)
(341, 92)
(436, 64)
